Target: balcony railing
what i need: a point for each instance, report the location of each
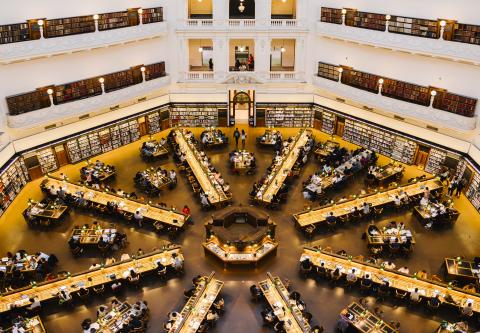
(286, 76)
(237, 24)
(242, 77)
(200, 76)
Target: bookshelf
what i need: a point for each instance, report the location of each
(289, 115)
(194, 115)
(466, 33)
(404, 150)
(328, 122)
(27, 102)
(328, 71)
(458, 104)
(153, 122)
(122, 79)
(405, 91)
(365, 20)
(331, 15)
(461, 167)
(13, 177)
(105, 140)
(15, 33)
(47, 160)
(361, 80)
(154, 71)
(473, 191)
(74, 91)
(116, 20)
(69, 26)
(414, 27)
(435, 161)
(134, 129)
(381, 141)
(115, 136)
(152, 15)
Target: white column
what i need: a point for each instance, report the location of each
(183, 52)
(263, 11)
(220, 56)
(220, 9)
(262, 55)
(300, 55)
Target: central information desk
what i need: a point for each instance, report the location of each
(48, 290)
(214, 191)
(364, 321)
(280, 173)
(149, 212)
(379, 199)
(279, 299)
(197, 306)
(405, 282)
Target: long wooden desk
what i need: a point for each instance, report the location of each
(49, 289)
(197, 306)
(115, 318)
(210, 186)
(318, 215)
(388, 172)
(128, 205)
(33, 325)
(323, 150)
(102, 174)
(49, 211)
(279, 299)
(91, 236)
(462, 269)
(397, 280)
(281, 172)
(364, 321)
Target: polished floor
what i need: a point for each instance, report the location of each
(323, 301)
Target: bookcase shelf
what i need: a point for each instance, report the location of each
(435, 161)
(414, 27)
(449, 102)
(152, 15)
(473, 191)
(365, 20)
(331, 15)
(405, 91)
(361, 80)
(116, 20)
(404, 150)
(73, 91)
(195, 115)
(289, 115)
(69, 26)
(13, 177)
(27, 102)
(122, 79)
(18, 32)
(154, 71)
(466, 33)
(328, 120)
(328, 71)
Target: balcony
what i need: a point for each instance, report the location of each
(396, 107)
(46, 47)
(107, 101)
(241, 77)
(437, 48)
(193, 25)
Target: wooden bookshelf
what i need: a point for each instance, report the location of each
(364, 20)
(195, 115)
(13, 177)
(405, 91)
(466, 33)
(69, 26)
(73, 91)
(473, 191)
(152, 15)
(458, 104)
(361, 80)
(116, 20)
(436, 159)
(154, 71)
(331, 15)
(14, 33)
(122, 79)
(414, 27)
(328, 71)
(289, 115)
(27, 102)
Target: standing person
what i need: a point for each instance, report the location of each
(210, 64)
(460, 186)
(452, 187)
(236, 135)
(244, 137)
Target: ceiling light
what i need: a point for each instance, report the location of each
(282, 49)
(241, 7)
(200, 49)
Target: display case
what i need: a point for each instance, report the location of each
(27, 102)
(152, 15)
(154, 71)
(365, 20)
(69, 26)
(73, 91)
(331, 15)
(458, 104)
(360, 80)
(328, 71)
(116, 20)
(466, 33)
(435, 161)
(288, 115)
(13, 177)
(17, 32)
(195, 115)
(414, 27)
(405, 91)
(122, 79)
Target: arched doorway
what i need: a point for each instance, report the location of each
(242, 9)
(241, 107)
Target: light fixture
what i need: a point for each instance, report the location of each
(140, 10)
(443, 23)
(241, 7)
(388, 17)
(282, 49)
(344, 11)
(40, 22)
(49, 91)
(284, 1)
(101, 80)
(142, 69)
(380, 81)
(340, 69)
(200, 48)
(96, 17)
(241, 49)
(433, 93)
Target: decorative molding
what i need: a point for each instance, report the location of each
(28, 50)
(77, 108)
(436, 48)
(232, 25)
(398, 107)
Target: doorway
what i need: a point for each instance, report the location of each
(241, 107)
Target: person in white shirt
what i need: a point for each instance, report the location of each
(177, 263)
(389, 265)
(138, 217)
(351, 276)
(94, 266)
(415, 295)
(467, 309)
(204, 199)
(404, 270)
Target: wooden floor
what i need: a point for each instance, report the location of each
(242, 315)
